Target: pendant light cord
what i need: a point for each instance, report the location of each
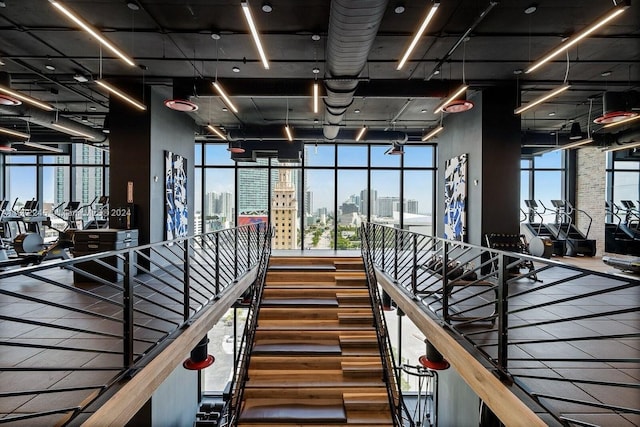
(566, 74)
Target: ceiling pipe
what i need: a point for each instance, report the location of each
(314, 135)
(353, 25)
(48, 118)
(462, 38)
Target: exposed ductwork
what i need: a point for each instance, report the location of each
(48, 118)
(353, 25)
(311, 135)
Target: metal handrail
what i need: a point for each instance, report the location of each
(500, 303)
(400, 413)
(133, 299)
(243, 358)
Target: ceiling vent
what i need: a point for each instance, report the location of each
(5, 80)
(616, 106)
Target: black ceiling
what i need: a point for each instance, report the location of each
(171, 40)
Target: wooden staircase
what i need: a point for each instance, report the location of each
(315, 360)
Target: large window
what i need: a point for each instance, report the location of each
(320, 202)
(623, 182)
(542, 179)
(55, 180)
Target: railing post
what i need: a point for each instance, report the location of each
(383, 251)
(127, 312)
(503, 309)
(186, 279)
(395, 255)
(414, 264)
(445, 282)
(217, 269)
(248, 248)
(235, 254)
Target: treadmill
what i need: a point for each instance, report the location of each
(578, 242)
(619, 237)
(533, 228)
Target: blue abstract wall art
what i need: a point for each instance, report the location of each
(177, 212)
(455, 198)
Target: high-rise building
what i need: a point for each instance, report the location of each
(386, 206)
(225, 207)
(411, 206)
(365, 200)
(210, 204)
(284, 212)
(253, 194)
(308, 202)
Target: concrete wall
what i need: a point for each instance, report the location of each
(138, 141)
(490, 135)
(458, 405)
(175, 402)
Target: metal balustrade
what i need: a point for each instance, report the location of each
(72, 329)
(400, 413)
(566, 337)
(243, 358)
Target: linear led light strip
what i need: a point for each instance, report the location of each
(315, 97)
(14, 133)
(224, 96)
(419, 33)
(70, 131)
(621, 122)
(91, 31)
(574, 144)
(216, 131)
(287, 130)
(542, 99)
(361, 133)
(254, 33)
(622, 147)
(121, 95)
(451, 98)
(575, 39)
(27, 99)
(42, 147)
(433, 133)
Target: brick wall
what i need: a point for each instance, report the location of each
(590, 193)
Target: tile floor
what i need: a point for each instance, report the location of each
(83, 331)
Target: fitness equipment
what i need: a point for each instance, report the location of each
(541, 236)
(630, 265)
(518, 243)
(619, 237)
(578, 243)
(29, 246)
(99, 212)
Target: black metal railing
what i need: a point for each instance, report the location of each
(400, 413)
(71, 329)
(252, 302)
(566, 336)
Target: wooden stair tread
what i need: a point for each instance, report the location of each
(300, 302)
(302, 267)
(313, 285)
(288, 412)
(311, 380)
(360, 398)
(306, 325)
(296, 348)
